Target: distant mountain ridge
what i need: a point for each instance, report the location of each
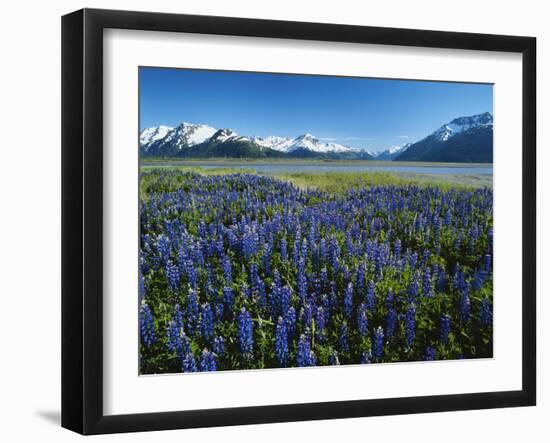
(393, 152)
(464, 139)
(202, 141)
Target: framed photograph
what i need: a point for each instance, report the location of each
(269, 221)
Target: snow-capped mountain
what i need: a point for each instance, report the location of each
(281, 144)
(393, 152)
(154, 143)
(163, 141)
(189, 134)
(462, 124)
(223, 135)
(305, 141)
(309, 142)
(464, 140)
(153, 134)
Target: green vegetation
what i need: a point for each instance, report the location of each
(339, 182)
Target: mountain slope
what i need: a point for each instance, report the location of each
(202, 141)
(305, 141)
(392, 153)
(151, 135)
(176, 139)
(463, 140)
(227, 143)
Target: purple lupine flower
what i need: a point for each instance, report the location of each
(163, 248)
(207, 361)
(266, 258)
(391, 322)
(303, 352)
(305, 249)
(412, 290)
(192, 275)
(142, 291)
(348, 301)
(343, 338)
(441, 279)
(290, 321)
(147, 326)
(285, 299)
(188, 363)
(459, 280)
(281, 342)
(228, 297)
(207, 322)
(486, 312)
(487, 263)
(306, 315)
(320, 324)
(284, 250)
(397, 249)
(389, 299)
(362, 320)
(410, 325)
(176, 340)
(246, 340)
(323, 276)
(172, 275)
(427, 285)
(445, 328)
(323, 251)
(464, 305)
(430, 354)
(227, 270)
(302, 283)
(378, 344)
(219, 346)
(253, 275)
(360, 278)
(370, 298)
(192, 311)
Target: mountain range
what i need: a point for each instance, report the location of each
(464, 139)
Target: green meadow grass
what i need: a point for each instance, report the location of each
(339, 182)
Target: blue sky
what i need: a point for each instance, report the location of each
(361, 112)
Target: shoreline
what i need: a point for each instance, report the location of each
(374, 163)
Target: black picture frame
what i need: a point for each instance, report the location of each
(82, 218)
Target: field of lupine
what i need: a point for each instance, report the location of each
(242, 271)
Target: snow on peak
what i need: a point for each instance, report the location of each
(226, 134)
(151, 135)
(304, 141)
(309, 142)
(189, 134)
(281, 144)
(392, 152)
(462, 124)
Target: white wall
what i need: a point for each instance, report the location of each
(30, 218)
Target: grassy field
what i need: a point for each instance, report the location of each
(338, 182)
